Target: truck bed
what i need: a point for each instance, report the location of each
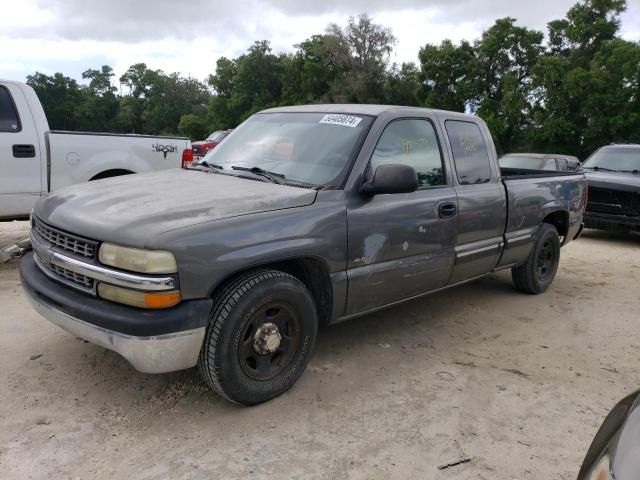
(76, 157)
(532, 197)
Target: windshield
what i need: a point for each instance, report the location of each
(217, 136)
(619, 159)
(522, 161)
(313, 148)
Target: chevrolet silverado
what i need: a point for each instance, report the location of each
(304, 217)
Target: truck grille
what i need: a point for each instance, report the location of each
(69, 276)
(616, 202)
(65, 241)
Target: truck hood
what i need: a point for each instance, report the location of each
(133, 209)
(614, 180)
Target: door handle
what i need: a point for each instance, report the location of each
(447, 210)
(24, 151)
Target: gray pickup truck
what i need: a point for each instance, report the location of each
(302, 217)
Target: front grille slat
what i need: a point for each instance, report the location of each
(74, 277)
(614, 201)
(65, 241)
(70, 244)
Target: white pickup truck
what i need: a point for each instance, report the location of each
(35, 160)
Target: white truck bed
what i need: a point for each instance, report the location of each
(35, 160)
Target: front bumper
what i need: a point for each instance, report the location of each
(153, 341)
(609, 221)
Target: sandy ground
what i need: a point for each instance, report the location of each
(385, 396)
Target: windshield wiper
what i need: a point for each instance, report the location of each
(600, 169)
(210, 165)
(271, 176)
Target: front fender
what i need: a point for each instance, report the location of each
(209, 253)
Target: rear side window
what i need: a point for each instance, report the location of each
(470, 153)
(411, 142)
(9, 121)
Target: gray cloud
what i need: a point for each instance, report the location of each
(139, 20)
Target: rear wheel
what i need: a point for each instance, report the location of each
(260, 336)
(536, 274)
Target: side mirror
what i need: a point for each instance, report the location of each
(392, 178)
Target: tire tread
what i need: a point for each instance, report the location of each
(223, 303)
(523, 275)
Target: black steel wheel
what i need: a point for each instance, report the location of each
(269, 340)
(260, 336)
(546, 262)
(536, 274)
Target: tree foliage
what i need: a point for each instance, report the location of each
(569, 92)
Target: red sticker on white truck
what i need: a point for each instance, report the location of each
(344, 120)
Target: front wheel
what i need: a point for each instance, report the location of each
(260, 336)
(536, 274)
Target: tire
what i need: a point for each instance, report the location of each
(536, 274)
(239, 358)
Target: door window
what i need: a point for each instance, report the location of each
(550, 164)
(9, 121)
(470, 153)
(411, 142)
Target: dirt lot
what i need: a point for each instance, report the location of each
(520, 382)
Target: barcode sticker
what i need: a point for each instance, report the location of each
(344, 120)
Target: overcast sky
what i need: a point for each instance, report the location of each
(188, 36)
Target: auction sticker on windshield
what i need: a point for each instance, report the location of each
(345, 120)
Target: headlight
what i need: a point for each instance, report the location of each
(137, 260)
(138, 299)
(602, 470)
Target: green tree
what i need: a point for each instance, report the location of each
(319, 62)
(585, 89)
(100, 105)
(587, 26)
(448, 75)
(251, 82)
(402, 86)
(100, 80)
(193, 126)
(362, 48)
(221, 112)
(60, 97)
(506, 55)
(156, 101)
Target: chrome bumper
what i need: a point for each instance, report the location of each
(156, 354)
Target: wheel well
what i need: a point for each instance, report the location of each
(560, 220)
(310, 271)
(116, 172)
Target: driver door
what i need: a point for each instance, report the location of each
(402, 245)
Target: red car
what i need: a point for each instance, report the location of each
(200, 149)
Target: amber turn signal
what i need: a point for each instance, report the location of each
(161, 300)
(135, 298)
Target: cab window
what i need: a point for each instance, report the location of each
(411, 142)
(9, 121)
(470, 153)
